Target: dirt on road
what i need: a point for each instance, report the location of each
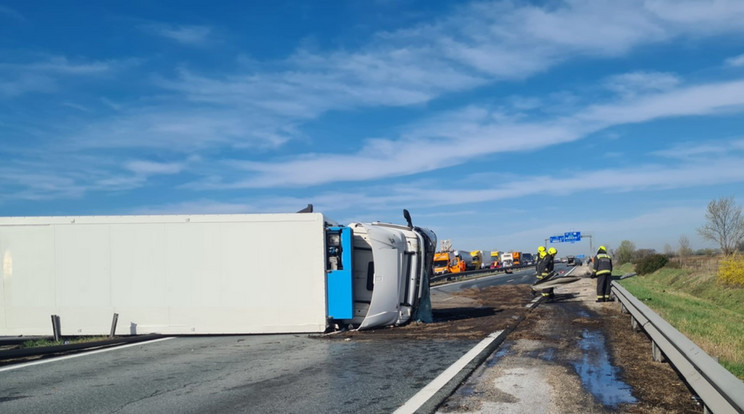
(470, 314)
(558, 346)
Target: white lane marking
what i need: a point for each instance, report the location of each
(533, 302)
(437, 383)
(46, 361)
(510, 280)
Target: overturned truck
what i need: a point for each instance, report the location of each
(210, 274)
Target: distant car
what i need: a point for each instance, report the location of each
(571, 260)
(564, 260)
(527, 259)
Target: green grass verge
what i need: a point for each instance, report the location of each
(38, 343)
(709, 314)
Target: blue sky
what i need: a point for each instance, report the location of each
(497, 124)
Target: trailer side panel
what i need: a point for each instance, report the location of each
(181, 274)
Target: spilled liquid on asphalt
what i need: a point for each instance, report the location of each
(500, 353)
(598, 375)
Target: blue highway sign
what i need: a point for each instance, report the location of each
(572, 236)
(567, 237)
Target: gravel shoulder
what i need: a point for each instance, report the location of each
(567, 355)
(573, 355)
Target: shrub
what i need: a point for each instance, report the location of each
(650, 264)
(731, 270)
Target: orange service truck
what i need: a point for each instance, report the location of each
(452, 262)
(516, 259)
(443, 262)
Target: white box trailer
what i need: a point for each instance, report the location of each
(189, 274)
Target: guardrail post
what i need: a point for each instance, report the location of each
(635, 325)
(656, 353)
(623, 309)
(56, 329)
(113, 325)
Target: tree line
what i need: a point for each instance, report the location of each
(724, 225)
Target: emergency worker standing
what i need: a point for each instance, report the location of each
(603, 272)
(540, 266)
(549, 263)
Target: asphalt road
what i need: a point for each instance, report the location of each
(522, 276)
(257, 374)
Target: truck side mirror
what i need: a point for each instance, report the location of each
(308, 209)
(407, 216)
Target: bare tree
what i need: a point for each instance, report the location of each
(641, 254)
(684, 246)
(668, 250)
(724, 224)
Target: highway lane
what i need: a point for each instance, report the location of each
(257, 374)
(521, 276)
(265, 373)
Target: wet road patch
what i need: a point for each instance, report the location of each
(598, 375)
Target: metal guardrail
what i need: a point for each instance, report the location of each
(718, 389)
(445, 276)
(12, 354)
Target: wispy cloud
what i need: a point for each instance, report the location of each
(145, 167)
(478, 44)
(703, 17)
(263, 106)
(180, 130)
(694, 100)
(632, 84)
(203, 206)
(35, 174)
(12, 13)
(736, 61)
(192, 35)
(22, 83)
(651, 229)
(419, 149)
(62, 65)
(78, 107)
(654, 228)
(695, 151)
(424, 194)
(111, 104)
(46, 75)
(416, 150)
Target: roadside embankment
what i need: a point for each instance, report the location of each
(709, 313)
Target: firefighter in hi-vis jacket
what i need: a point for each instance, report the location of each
(549, 266)
(540, 268)
(603, 273)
